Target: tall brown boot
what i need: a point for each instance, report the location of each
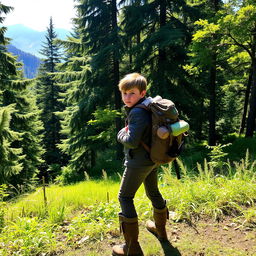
(158, 227)
(130, 229)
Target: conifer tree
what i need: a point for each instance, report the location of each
(26, 121)
(10, 157)
(48, 101)
(99, 31)
(73, 76)
(91, 74)
(164, 37)
(20, 143)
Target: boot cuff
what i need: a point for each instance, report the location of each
(122, 218)
(160, 210)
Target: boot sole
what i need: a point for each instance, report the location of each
(156, 235)
(115, 254)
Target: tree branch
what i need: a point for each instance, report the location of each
(241, 45)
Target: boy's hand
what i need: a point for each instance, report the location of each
(126, 128)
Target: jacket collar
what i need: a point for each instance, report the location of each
(127, 109)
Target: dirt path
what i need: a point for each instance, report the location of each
(202, 238)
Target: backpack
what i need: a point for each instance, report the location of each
(164, 115)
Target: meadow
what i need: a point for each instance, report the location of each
(81, 219)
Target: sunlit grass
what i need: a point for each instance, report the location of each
(63, 199)
(210, 193)
(87, 212)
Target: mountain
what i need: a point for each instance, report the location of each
(30, 62)
(30, 40)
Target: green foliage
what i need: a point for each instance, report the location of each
(10, 157)
(208, 30)
(20, 150)
(238, 25)
(210, 193)
(103, 124)
(47, 90)
(27, 236)
(68, 176)
(3, 195)
(174, 46)
(95, 223)
(26, 121)
(217, 156)
(177, 46)
(21, 116)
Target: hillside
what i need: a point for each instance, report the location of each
(30, 62)
(208, 216)
(29, 40)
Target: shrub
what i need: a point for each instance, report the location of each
(68, 176)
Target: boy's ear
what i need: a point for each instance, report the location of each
(143, 93)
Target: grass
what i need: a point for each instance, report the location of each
(86, 213)
(62, 201)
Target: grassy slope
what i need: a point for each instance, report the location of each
(85, 216)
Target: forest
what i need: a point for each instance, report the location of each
(63, 123)
(59, 129)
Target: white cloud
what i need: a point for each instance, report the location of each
(36, 13)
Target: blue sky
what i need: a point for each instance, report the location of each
(36, 13)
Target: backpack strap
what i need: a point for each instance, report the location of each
(146, 147)
(142, 106)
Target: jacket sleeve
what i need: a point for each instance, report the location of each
(137, 123)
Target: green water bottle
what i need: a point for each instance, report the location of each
(179, 127)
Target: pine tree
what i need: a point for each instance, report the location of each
(26, 121)
(20, 143)
(48, 101)
(73, 75)
(91, 75)
(10, 157)
(101, 39)
(164, 37)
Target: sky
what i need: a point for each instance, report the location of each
(36, 14)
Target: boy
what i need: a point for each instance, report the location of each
(138, 168)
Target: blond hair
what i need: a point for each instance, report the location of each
(133, 80)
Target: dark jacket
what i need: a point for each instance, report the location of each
(139, 129)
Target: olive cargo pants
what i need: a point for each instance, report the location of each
(131, 181)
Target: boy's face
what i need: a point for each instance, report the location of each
(132, 96)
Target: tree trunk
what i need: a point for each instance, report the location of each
(160, 83)
(212, 90)
(137, 43)
(212, 107)
(162, 51)
(199, 127)
(246, 101)
(116, 75)
(93, 158)
(130, 53)
(252, 111)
